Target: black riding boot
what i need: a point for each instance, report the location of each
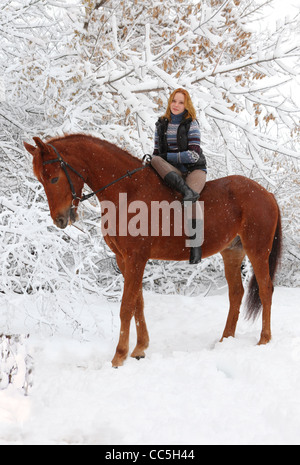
(195, 255)
(175, 181)
(196, 252)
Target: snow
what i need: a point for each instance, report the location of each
(190, 389)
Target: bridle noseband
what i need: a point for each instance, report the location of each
(65, 165)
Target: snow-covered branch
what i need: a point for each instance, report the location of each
(107, 67)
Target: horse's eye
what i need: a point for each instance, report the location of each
(54, 180)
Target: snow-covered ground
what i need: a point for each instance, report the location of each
(190, 389)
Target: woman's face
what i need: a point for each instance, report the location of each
(178, 104)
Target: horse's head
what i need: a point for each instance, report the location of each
(62, 183)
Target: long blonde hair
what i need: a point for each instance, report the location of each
(191, 112)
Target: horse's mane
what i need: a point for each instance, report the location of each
(98, 141)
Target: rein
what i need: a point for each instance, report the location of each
(65, 165)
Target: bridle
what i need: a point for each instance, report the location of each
(65, 166)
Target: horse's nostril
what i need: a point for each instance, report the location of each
(61, 222)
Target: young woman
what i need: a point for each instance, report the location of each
(178, 157)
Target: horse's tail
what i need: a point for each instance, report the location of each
(253, 301)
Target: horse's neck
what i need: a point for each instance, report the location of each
(107, 163)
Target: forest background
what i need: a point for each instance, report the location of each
(107, 68)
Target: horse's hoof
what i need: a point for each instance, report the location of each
(264, 339)
(138, 353)
(117, 362)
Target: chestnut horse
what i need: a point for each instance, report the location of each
(241, 218)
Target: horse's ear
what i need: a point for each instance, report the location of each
(30, 148)
(40, 143)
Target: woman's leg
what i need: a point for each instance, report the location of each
(173, 177)
(195, 216)
(162, 167)
(196, 180)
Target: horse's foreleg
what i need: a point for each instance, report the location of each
(133, 274)
(141, 329)
(233, 259)
(262, 273)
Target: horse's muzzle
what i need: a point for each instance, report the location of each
(67, 218)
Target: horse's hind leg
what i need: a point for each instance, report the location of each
(233, 258)
(261, 269)
(141, 328)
